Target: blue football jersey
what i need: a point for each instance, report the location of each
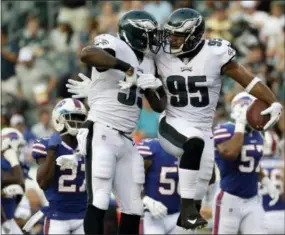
(66, 195)
(239, 177)
(161, 181)
(273, 169)
(9, 204)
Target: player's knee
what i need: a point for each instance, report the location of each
(191, 158)
(101, 199)
(134, 208)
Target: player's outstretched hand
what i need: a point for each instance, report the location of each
(148, 81)
(239, 113)
(156, 208)
(275, 112)
(272, 190)
(11, 156)
(67, 161)
(13, 190)
(54, 140)
(79, 89)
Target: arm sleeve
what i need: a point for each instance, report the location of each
(223, 132)
(39, 149)
(146, 149)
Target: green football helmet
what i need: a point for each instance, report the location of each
(183, 31)
(139, 30)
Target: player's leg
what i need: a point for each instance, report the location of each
(77, 226)
(254, 220)
(128, 182)
(153, 226)
(226, 214)
(56, 227)
(100, 167)
(275, 222)
(206, 169)
(171, 227)
(179, 139)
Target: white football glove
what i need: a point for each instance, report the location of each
(275, 112)
(82, 141)
(13, 190)
(11, 156)
(239, 113)
(67, 161)
(156, 208)
(129, 81)
(79, 89)
(148, 81)
(271, 189)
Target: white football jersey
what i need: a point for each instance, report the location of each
(193, 87)
(109, 104)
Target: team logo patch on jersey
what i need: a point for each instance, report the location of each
(231, 51)
(186, 69)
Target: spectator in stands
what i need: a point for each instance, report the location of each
(17, 121)
(219, 23)
(108, 19)
(9, 56)
(76, 13)
(160, 9)
(36, 81)
(43, 127)
(33, 36)
(275, 21)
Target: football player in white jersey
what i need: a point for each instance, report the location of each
(113, 162)
(191, 68)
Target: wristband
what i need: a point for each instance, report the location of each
(121, 65)
(239, 127)
(252, 84)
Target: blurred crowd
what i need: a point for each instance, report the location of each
(41, 47)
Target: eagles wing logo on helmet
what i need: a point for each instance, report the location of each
(143, 24)
(188, 25)
(101, 41)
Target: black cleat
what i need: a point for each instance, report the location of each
(190, 218)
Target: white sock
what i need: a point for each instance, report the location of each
(187, 183)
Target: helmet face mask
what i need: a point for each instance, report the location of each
(73, 122)
(140, 31)
(183, 31)
(68, 116)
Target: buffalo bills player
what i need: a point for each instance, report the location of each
(12, 179)
(63, 184)
(238, 152)
(161, 199)
(272, 165)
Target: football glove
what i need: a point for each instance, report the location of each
(156, 208)
(79, 89)
(275, 112)
(13, 190)
(148, 81)
(67, 161)
(239, 113)
(11, 156)
(271, 189)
